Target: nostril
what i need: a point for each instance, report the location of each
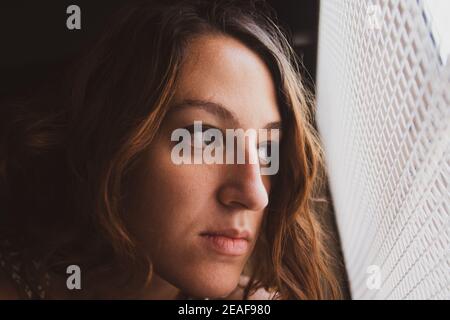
(237, 205)
(247, 197)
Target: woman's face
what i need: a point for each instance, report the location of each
(200, 222)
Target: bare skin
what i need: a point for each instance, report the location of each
(176, 204)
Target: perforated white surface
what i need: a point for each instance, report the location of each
(383, 112)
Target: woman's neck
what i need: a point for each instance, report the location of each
(160, 289)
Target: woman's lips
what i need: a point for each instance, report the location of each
(226, 245)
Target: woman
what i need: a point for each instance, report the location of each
(88, 180)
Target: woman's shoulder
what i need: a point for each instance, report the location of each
(19, 280)
(7, 289)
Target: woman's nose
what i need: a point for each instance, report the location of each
(244, 187)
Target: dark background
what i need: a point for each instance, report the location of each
(35, 42)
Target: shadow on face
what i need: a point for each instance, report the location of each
(199, 222)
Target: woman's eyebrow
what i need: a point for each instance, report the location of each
(273, 125)
(219, 110)
(209, 106)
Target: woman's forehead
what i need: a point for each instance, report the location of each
(221, 69)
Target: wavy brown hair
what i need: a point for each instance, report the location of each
(67, 154)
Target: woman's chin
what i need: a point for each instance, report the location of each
(217, 289)
(212, 293)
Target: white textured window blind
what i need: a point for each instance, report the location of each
(383, 93)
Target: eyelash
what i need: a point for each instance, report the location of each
(205, 127)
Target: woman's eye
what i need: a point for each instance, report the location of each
(200, 139)
(205, 137)
(265, 152)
